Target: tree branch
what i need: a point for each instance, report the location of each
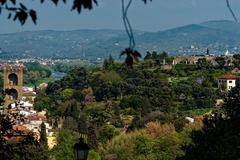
(231, 11)
(127, 24)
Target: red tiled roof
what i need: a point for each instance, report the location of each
(37, 118)
(229, 76)
(20, 128)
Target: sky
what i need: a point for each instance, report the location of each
(155, 16)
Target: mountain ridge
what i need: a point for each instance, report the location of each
(91, 44)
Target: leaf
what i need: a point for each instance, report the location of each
(22, 17)
(23, 7)
(136, 54)
(55, 2)
(77, 4)
(86, 4)
(3, 1)
(145, 1)
(9, 15)
(11, 9)
(13, 1)
(95, 1)
(16, 16)
(33, 15)
(122, 53)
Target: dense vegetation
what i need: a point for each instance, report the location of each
(21, 145)
(35, 73)
(68, 65)
(140, 112)
(137, 112)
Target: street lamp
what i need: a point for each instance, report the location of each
(81, 150)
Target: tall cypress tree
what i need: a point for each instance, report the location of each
(43, 134)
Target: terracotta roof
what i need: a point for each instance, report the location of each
(37, 118)
(229, 76)
(19, 127)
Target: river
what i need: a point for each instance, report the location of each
(57, 75)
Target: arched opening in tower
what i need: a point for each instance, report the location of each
(13, 79)
(13, 94)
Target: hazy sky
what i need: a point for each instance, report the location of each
(155, 16)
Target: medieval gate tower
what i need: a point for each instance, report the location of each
(12, 83)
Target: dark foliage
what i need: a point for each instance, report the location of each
(18, 11)
(20, 151)
(22, 147)
(92, 137)
(219, 138)
(43, 134)
(131, 56)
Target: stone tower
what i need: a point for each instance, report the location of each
(12, 83)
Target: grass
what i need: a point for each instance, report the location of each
(198, 112)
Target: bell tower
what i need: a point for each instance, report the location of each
(12, 83)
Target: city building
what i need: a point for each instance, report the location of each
(227, 82)
(18, 104)
(12, 83)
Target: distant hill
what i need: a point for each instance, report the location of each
(91, 44)
(228, 26)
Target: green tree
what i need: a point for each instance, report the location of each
(24, 146)
(218, 139)
(137, 103)
(82, 123)
(163, 55)
(143, 146)
(66, 93)
(106, 85)
(221, 62)
(109, 64)
(92, 137)
(168, 147)
(92, 155)
(70, 123)
(43, 134)
(107, 132)
(33, 76)
(64, 148)
(148, 56)
(202, 63)
(42, 103)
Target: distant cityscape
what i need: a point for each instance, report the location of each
(217, 36)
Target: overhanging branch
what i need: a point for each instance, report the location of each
(231, 11)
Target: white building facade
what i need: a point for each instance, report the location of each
(227, 82)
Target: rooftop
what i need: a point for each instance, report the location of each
(229, 76)
(36, 117)
(20, 128)
(11, 65)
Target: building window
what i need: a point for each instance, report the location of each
(230, 81)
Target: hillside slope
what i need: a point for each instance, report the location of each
(91, 44)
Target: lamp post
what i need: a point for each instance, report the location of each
(81, 150)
